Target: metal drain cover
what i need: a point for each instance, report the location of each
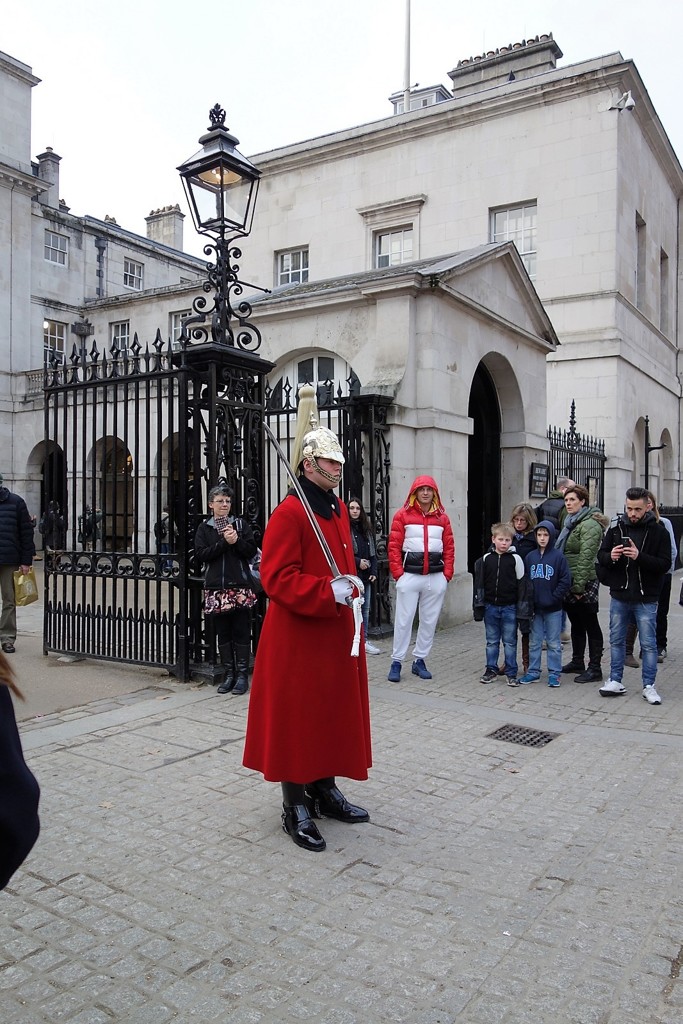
(526, 737)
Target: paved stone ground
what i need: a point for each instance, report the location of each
(495, 884)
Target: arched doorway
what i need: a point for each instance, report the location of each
(483, 470)
(114, 493)
(53, 479)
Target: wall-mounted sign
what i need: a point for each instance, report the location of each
(538, 480)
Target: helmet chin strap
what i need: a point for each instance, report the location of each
(323, 472)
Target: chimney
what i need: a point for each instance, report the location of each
(48, 170)
(511, 63)
(166, 226)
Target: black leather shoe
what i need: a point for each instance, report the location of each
(297, 823)
(331, 803)
(573, 666)
(591, 675)
(227, 659)
(242, 665)
(8, 647)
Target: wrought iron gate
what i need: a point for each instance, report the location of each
(143, 434)
(361, 423)
(579, 457)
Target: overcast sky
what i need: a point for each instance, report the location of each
(126, 87)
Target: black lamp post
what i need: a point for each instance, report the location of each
(649, 448)
(222, 377)
(221, 187)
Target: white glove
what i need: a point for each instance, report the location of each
(342, 590)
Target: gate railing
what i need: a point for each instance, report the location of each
(579, 457)
(360, 421)
(110, 592)
(139, 434)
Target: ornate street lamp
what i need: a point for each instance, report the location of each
(221, 187)
(221, 375)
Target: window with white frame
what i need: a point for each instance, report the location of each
(54, 341)
(393, 247)
(319, 371)
(176, 325)
(292, 267)
(329, 376)
(119, 336)
(517, 224)
(392, 231)
(133, 274)
(56, 248)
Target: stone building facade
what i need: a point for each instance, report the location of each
(54, 268)
(480, 262)
(573, 165)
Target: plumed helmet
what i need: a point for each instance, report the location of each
(311, 440)
(321, 443)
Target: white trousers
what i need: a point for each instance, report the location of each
(414, 592)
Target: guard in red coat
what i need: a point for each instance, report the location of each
(309, 718)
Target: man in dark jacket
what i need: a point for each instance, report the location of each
(553, 507)
(633, 559)
(16, 551)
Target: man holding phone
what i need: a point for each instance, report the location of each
(633, 559)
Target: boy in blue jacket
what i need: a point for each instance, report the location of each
(552, 579)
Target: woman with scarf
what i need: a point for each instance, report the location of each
(225, 544)
(579, 540)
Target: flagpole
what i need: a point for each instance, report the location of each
(406, 73)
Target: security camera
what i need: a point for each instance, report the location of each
(625, 102)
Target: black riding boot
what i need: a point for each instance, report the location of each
(225, 651)
(296, 819)
(325, 800)
(577, 663)
(593, 673)
(242, 652)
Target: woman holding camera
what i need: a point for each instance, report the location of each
(225, 544)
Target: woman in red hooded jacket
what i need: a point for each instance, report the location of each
(421, 551)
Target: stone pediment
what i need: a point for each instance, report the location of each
(491, 281)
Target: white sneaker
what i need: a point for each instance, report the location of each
(371, 649)
(651, 695)
(612, 688)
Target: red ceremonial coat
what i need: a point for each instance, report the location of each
(309, 713)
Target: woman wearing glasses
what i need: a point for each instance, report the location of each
(225, 544)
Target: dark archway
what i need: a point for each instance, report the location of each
(53, 480)
(483, 471)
